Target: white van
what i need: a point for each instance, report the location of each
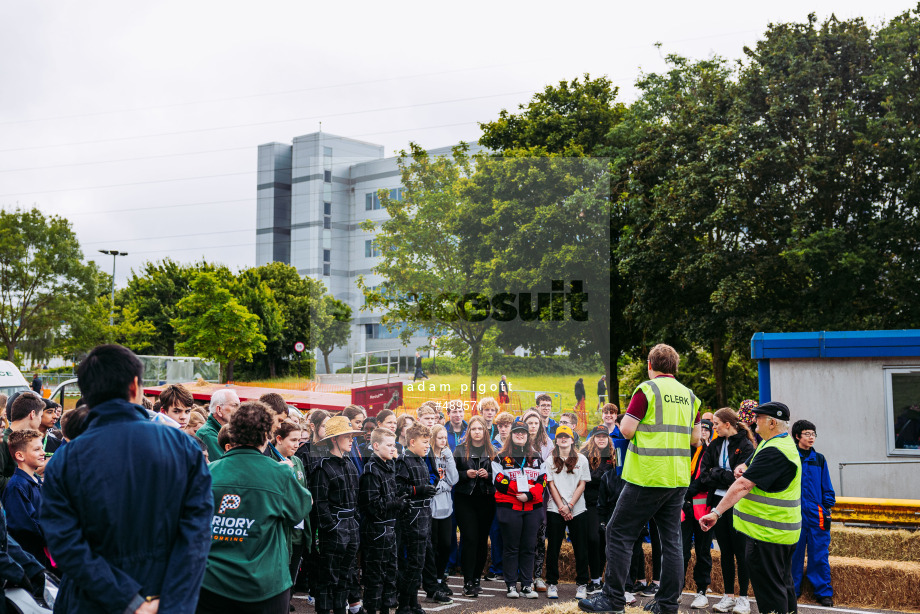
(11, 380)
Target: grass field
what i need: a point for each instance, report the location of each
(525, 385)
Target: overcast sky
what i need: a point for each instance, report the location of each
(139, 122)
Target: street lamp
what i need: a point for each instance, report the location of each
(114, 253)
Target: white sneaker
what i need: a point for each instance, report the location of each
(539, 585)
(528, 593)
(552, 592)
(630, 598)
(700, 602)
(512, 592)
(582, 592)
(725, 605)
(742, 606)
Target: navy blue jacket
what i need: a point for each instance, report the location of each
(817, 491)
(453, 439)
(13, 559)
(22, 498)
(127, 511)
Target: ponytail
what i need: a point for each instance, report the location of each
(727, 414)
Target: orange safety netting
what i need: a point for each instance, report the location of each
(412, 400)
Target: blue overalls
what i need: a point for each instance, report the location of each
(817, 500)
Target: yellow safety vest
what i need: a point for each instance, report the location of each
(659, 453)
(774, 517)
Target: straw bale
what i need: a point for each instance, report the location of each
(875, 544)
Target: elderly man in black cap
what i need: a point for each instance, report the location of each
(767, 499)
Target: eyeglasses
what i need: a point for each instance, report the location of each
(809, 434)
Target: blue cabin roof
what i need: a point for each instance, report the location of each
(836, 344)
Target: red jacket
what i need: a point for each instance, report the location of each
(505, 471)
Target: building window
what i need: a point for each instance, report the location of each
(902, 397)
(327, 222)
(327, 269)
(370, 249)
(396, 194)
(372, 331)
(327, 208)
(327, 176)
(327, 151)
(327, 255)
(371, 201)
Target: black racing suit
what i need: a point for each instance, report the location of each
(414, 482)
(379, 504)
(334, 484)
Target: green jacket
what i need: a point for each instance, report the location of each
(208, 434)
(256, 503)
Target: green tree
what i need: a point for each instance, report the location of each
(426, 269)
(43, 279)
(331, 330)
(299, 300)
(572, 119)
(90, 327)
(827, 110)
(690, 252)
(212, 324)
(255, 295)
(155, 292)
(538, 222)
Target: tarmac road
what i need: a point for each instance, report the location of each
(493, 596)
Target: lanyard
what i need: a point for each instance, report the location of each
(725, 454)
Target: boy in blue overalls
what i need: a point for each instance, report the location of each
(817, 500)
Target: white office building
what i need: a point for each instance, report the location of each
(312, 199)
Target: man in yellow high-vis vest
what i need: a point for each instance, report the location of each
(767, 499)
(663, 422)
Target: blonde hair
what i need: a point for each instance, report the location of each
(503, 418)
(435, 431)
(195, 420)
(426, 408)
(488, 402)
(379, 434)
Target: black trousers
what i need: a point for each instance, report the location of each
(294, 566)
(212, 603)
(636, 505)
(555, 533)
(414, 537)
(519, 541)
(596, 542)
(378, 558)
(338, 551)
(732, 548)
(695, 538)
(474, 517)
(438, 553)
(771, 575)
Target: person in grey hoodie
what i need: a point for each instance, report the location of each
(442, 509)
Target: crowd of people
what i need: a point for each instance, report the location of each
(254, 501)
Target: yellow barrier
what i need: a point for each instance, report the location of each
(902, 512)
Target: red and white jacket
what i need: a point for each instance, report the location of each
(507, 469)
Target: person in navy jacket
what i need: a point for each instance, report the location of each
(127, 505)
(817, 500)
